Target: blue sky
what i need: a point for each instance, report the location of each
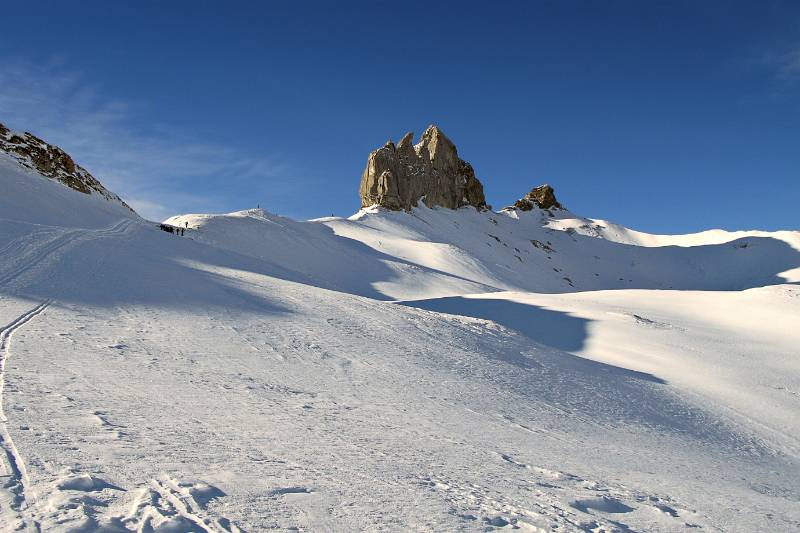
(664, 116)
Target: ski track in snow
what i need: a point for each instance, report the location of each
(40, 255)
(16, 492)
(165, 506)
(187, 508)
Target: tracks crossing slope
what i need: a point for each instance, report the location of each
(16, 492)
(39, 254)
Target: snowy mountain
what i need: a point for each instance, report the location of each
(48, 161)
(432, 369)
(441, 251)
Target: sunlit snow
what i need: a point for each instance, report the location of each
(428, 371)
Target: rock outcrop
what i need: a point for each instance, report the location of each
(543, 197)
(52, 162)
(398, 177)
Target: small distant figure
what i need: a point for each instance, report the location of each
(187, 223)
(183, 232)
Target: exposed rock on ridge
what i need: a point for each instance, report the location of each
(397, 177)
(52, 162)
(543, 197)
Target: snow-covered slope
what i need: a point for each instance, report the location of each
(250, 375)
(739, 348)
(323, 258)
(29, 197)
(616, 233)
(51, 162)
(439, 252)
(546, 251)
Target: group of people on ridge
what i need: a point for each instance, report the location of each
(175, 229)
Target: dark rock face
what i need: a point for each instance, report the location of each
(543, 197)
(52, 162)
(397, 177)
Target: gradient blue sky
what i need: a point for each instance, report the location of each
(664, 116)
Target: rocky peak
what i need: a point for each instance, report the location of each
(52, 162)
(543, 197)
(398, 176)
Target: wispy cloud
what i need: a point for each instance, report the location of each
(154, 167)
(783, 62)
(788, 65)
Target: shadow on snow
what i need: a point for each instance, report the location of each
(555, 329)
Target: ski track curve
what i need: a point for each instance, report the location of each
(17, 497)
(20, 497)
(164, 502)
(67, 237)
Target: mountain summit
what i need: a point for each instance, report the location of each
(397, 177)
(543, 197)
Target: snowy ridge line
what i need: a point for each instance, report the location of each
(59, 242)
(19, 484)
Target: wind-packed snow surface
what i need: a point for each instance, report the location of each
(428, 371)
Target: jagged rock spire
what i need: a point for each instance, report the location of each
(398, 176)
